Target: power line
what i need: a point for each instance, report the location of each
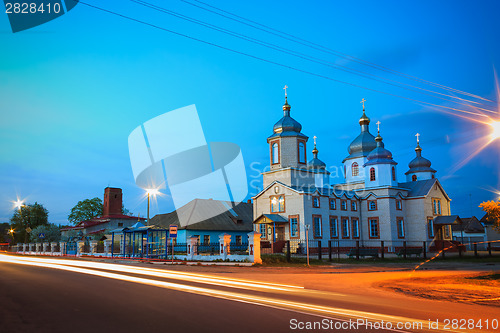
(272, 62)
(322, 48)
(307, 57)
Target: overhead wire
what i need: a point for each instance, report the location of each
(308, 57)
(271, 61)
(319, 47)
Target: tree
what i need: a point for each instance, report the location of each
(492, 208)
(51, 233)
(5, 236)
(31, 216)
(85, 210)
(88, 209)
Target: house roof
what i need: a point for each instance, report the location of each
(469, 225)
(271, 218)
(450, 219)
(208, 214)
(100, 220)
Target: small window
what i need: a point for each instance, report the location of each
(401, 228)
(302, 152)
(317, 226)
(343, 204)
(345, 228)
(333, 206)
(206, 239)
(262, 229)
(275, 153)
(393, 173)
(334, 232)
(372, 205)
(238, 239)
(355, 228)
(355, 169)
(120, 224)
(399, 205)
(316, 202)
(354, 205)
(430, 228)
(436, 204)
(414, 178)
(277, 204)
(372, 174)
(374, 230)
(294, 227)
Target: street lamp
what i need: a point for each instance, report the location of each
(151, 192)
(19, 204)
(307, 243)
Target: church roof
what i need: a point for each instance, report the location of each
(420, 188)
(364, 143)
(419, 163)
(287, 126)
(379, 155)
(316, 163)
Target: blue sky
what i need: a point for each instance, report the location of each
(72, 90)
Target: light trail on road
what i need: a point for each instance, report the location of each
(334, 313)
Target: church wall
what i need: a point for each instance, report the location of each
(348, 169)
(416, 219)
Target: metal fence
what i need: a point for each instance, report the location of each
(356, 249)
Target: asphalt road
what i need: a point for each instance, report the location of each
(40, 294)
(36, 299)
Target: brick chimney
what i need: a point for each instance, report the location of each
(112, 204)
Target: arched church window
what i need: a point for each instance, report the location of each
(393, 173)
(355, 169)
(414, 178)
(302, 152)
(372, 174)
(275, 153)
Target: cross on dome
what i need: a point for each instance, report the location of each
(418, 137)
(378, 125)
(363, 101)
(285, 88)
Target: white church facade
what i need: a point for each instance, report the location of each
(369, 206)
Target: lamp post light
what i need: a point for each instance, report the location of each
(307, 243)
(151, 192)
(19, 204)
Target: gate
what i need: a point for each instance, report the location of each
(71, 248)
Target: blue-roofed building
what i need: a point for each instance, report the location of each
(369, 204)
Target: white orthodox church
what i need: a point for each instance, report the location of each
(370, 205)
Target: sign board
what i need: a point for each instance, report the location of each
(41, 235)
(172, 231)
(28, 230)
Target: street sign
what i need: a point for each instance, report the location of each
(28, 230)
(172, 231)
(41, 235)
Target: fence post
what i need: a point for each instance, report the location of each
(329, 250)
(357, 250)
(404, 249)
(24, 247)
(79, 247)
(254, 247)
(38, 247)
(338, 249)
(475, 250)
(93, 247)
(424, 247)
(442, 249)
(224, 241)
(489, 249)
(319, 250)
(108, 247)
(46, 247)
(460, 250)
(288, 251)
(62, 248)
(53, 246)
